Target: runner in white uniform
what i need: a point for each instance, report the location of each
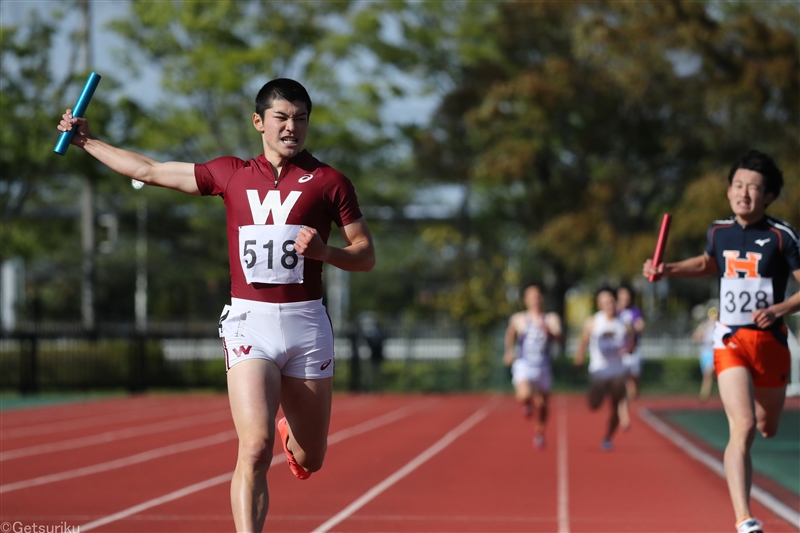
(280, 208)
(532, 332)
(632, 316)
(608, 338)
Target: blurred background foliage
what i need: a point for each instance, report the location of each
(561, 132)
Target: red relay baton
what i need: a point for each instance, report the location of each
(662, 243)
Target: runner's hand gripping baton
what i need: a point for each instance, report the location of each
(78, 111)
(662, 243)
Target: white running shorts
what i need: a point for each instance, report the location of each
(296, 336)
(633, 363)
(539, 376)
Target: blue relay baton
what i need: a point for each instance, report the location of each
(78, 111)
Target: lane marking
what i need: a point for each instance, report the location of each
(226, 518)
(369, 425)
(563, 464)
(415, 463)
(110, 436)
(191, 489)
(126, 415)
(122, 462)
(280, 458)
(765, 498)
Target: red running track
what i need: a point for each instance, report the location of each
(420, 463)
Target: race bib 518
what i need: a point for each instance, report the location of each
(267, 254)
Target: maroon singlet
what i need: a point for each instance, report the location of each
(318, 195)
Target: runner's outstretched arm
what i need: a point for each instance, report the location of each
(510, 339)
(580, 353)
(553, 322)
(630, 340)
(172, 175)
(694, 267)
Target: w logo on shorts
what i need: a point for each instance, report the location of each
(242, 350)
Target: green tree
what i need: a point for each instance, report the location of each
(214, 56)
(39, 189)
(576, 125)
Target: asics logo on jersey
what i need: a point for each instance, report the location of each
(242, 350)
(326, 364)
(762, 242)
(734, 264)
(272, 204)
(304, 178)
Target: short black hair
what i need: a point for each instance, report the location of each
(605, 288)
(628, 287)
(764, 165)
(281, 89)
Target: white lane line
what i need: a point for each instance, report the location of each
(122, 462)
(339, 436)
(191, 489)
(765, 498)
(415, 463)
(150, 411)
(369, 425)
(563, 463)
(110, 436)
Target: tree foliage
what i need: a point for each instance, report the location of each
(578, 124)
(40, 191)
(566, 128)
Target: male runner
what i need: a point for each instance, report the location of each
(276, 334)
(631, 315)
(608, 339)
(532, 375)
(753, 255)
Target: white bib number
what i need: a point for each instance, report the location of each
(740, 297)
(267, 254)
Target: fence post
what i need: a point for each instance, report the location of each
(137, 356)
(355, 361)
(28, 367)
(465, 362)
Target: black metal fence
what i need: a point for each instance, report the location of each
(62, 357)
(407, 357)
(56, 360)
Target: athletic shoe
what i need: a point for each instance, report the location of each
(527, 410)
(297, 470)
(538, 441)
(606, 445)
(749, 525)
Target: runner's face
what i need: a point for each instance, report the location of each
(283, 129)
(623, 298)
(533, 299)
(747, 197)
(607, 303)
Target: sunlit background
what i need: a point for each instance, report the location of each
(491, 144)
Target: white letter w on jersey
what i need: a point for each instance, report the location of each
(272, 203)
